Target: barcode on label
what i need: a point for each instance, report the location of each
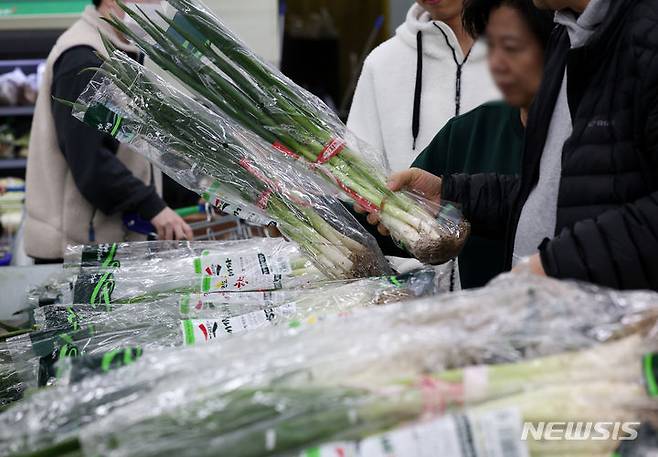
(509, 443)
(498, 434)
(491, 434)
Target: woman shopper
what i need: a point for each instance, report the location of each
(586, 204)
(79, 181)
(412, 84)
(489, 139)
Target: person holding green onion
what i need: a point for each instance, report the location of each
(586, 204)
(489, 139)
(79, 181)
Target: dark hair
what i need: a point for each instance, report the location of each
(477, 12)
(97, 2)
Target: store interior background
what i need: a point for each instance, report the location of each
(320, 44)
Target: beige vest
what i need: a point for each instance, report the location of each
(56, 213)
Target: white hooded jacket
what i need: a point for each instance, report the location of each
(395, 79)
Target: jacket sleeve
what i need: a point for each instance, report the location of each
(363, 119)
(486, 199)
(91, 155)
(619, 248)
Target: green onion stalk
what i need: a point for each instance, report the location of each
(150, 280)
(278, 419)
(373, 362)
(200, 151)
(145, 271)
(199, 51)
(67, 332)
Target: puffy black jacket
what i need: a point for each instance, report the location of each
(607, 215)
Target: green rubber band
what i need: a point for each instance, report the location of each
(188, 332)
(205, 286)
(185, 305)
(394, 281)
(650, 374)
(110, 255)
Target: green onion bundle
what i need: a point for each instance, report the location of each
(198, 50)
(282, 391)
(65, 333)
(113, 273)
(212, 157)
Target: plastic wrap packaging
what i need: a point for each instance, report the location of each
(195, 47)
(220, 160)
(288, 390)
(134, 272)
(11, 386)
(167, 252)
(58, 287)
(66, 332)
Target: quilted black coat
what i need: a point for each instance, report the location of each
(607, 215)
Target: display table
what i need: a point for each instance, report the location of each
(15, 282)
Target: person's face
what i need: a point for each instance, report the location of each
(442, 10)
(516, 58)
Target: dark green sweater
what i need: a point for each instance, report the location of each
(488, 139)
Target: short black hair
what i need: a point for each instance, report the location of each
(97, 2)
(477, 12)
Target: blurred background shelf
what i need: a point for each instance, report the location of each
(39, 14)
(12, 164)
(16, 111)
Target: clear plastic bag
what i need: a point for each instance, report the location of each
(133, 272)
(170, 253)
(194, 46)
(222, 161)
(285, 390)
(70, 331)
(11, 386)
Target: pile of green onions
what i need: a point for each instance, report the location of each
(200, 52)
(192, 144)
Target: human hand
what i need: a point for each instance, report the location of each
(530, 265)
(170, 226)
(414, 179)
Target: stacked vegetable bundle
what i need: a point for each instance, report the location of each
(131, 298)
(193, 45)
(213, 157)
(286, 392)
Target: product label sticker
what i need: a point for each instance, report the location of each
(492, 434)
(217, 264)
(256, 173)
(332, 149)
(90, 365)
(284, 149)
(333, 450)
(371, 207)
(205, 330)
(241, 282)
(263, 199)
(476, 383)
(107, 121)
(94, 288)
(192, 303)
(182, 31)
(438, 437)
(99, 255)
(498, 433)
(650, 365)
(212, 197)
